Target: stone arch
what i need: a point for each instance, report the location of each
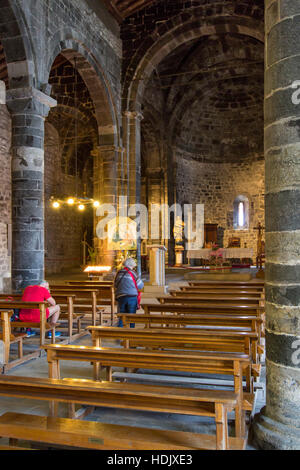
(16, 43)
(146, 59)
(93, 75)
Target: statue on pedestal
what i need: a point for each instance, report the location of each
(179, 242)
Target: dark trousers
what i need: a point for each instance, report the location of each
(127, 304)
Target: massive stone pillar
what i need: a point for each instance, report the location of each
(132, 125)
(105, 190)
(28, 108)
(278, 425)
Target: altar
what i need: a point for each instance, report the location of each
(228, 253)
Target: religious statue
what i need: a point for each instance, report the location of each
(178, 231)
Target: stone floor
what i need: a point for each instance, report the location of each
(39, 368)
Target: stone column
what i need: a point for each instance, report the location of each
(28, 108)
(132, 127)
(157, 261)
(105, 190)
(278, 424)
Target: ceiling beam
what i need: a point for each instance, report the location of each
(110, 5)
(120, 9)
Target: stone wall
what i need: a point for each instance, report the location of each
(5, 195)
(63, 227)
(50, 23)
(216, 185)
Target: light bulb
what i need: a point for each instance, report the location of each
(55, 205)
(96, 204)
(70, 201)
(81, 207)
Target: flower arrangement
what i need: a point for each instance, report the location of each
(216, 256)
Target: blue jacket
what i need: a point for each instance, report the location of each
(124, 284)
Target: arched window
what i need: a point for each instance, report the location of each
(241, 218)
(241, 213)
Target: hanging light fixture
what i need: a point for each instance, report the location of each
(71, 201)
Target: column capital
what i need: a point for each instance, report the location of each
(29, 101)
(109, 148)
(134, 115)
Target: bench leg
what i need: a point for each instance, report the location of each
(221, 427)
(238, 388)
(109, 374)
(72, 410)
(96, 370)
(54, 373)
(53, 409)
(20, 348)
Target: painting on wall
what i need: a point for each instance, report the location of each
(122, 234)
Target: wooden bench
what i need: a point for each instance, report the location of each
(9, 338)
(84, 434)
(202, 285)
(129, 318)
(87, 282)
(66, 303)
(246, 322)
(89, 300)
(216, 292)
(225, 321)
(11, 447)
(85, 302)
(208, 309)
(175, 338)
(254, 283)
(184, 361)
(238, 300)
(42, 325)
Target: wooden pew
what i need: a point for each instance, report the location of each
(42, 325)
(106, 293)
(202, 340)
(253, 283)
(66, 303)
(87, 283)
(216, 292)
(225, 321)
(8, 447)
(100, 296)
(9, 338)
(84, 434)
(187, 339)
(85, 302)
(208, 309)
(222, 286)
(238, 300)
(184, 361)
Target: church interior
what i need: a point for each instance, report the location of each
(137, 119)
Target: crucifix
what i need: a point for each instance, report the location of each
(260, 229)
(260, 251)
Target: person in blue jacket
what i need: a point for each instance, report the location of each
(127, 289)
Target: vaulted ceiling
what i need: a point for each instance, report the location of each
(123, 8)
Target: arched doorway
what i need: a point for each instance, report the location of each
(78, 132)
